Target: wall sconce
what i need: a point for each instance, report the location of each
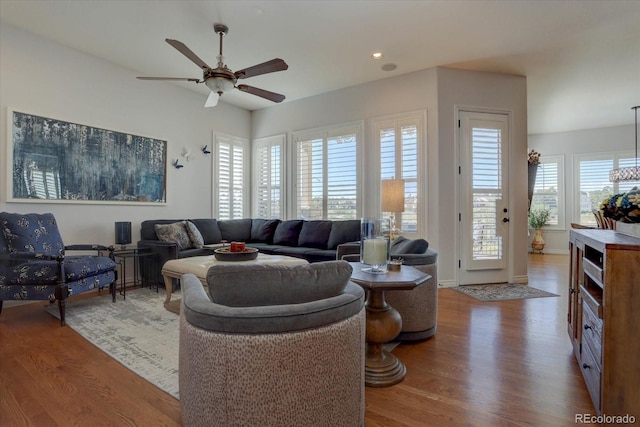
(393, 201)
(123, 234)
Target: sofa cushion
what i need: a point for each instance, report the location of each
(287, 232)
(262, 230)
(402, 245)
(238, 286)
(197, 241)
(314, 234)
(235, 230)
(176, 233)
(31, 233)
(209, 229)
(344, 232)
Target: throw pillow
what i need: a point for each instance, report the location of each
(402, 245)
(273, 284)
(197, 241)
(314, 234)
(287, 233)
(176, 233)
(31, 233)
(262, 230)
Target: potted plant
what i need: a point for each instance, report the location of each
(538, 218)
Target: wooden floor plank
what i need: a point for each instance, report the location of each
(506, 363)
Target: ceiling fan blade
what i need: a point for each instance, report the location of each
(212, 99)
(264, 68)
(188, 53)
(183, 79)
(271, 96)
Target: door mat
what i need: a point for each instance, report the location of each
(502, 292)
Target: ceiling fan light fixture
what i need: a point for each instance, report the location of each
(219, 84)
(631, 173)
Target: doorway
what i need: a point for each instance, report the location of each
(483, 228)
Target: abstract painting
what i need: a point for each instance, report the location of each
(53, 160)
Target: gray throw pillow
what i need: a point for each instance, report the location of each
(176, 233)
(402, 245)
(197, 241)
(272, 284)
(314, 234)
(262, 230)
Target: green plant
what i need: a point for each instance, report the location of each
(539, 217)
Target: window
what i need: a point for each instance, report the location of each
(268, 177)
(400, 139)
(230, 177)
(592, 176)
(326, 171)
(549, 190)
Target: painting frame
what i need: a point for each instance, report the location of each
(51, 160)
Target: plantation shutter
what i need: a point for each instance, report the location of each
(229, 183)
(268, 178)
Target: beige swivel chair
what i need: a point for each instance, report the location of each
(273, 346)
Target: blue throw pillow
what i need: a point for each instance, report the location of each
(287, 233)
(314, 234)
(262, 230)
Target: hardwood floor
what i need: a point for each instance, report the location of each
(504, 363)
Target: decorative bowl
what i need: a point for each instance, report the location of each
(225, 254)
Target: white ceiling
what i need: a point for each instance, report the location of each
(581, 58)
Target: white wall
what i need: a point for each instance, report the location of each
(44, 78)
(568, 144)
(437, 91)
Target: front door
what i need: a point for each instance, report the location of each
(484, 216)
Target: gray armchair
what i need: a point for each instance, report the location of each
(34, 264)
(418, 308)
(272, 346)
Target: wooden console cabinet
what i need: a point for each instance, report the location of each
(604, 317)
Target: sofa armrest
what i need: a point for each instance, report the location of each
(164, 251)
(348, 251)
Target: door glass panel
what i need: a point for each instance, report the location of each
(486, 158)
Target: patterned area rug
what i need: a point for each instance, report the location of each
(502, 292)
(138, 332)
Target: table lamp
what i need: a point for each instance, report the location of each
(393, 201)
(123, 233)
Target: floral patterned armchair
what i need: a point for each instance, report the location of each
(34, 264)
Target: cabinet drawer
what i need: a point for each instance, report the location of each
(591, 374)
(591, 269)
(590, 315)
(593, 299)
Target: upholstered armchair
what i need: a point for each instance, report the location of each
(272, 345)
(418, 307)
(34, 264)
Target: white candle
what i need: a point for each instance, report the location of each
(375, 251)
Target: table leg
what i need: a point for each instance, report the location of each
(382, 369)
(168, 286)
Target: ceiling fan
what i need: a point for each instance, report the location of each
(221, 79)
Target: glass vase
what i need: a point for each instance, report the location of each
(374, 244)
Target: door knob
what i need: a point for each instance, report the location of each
(505, 219)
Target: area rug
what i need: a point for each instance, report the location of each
(138, 332)
(502, 292)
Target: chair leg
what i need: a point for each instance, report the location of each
(61, 294)
(1, 306)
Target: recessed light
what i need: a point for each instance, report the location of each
(376, 55)
(389, 67)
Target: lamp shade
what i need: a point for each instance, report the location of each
(393, 195)
(123, 233)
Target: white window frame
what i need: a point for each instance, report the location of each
(243, 144)
(615, 157)
(559, 161)
(268, 143)
(323, 133)
(417, 118)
